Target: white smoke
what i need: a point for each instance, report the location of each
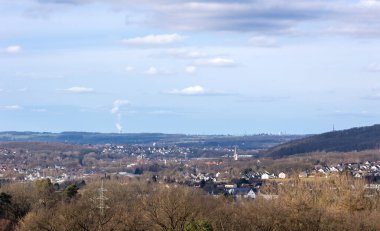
(119, 127)
(117, 104)
(116, 109)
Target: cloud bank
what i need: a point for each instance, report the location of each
(352, 18)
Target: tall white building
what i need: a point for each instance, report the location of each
(236, 156)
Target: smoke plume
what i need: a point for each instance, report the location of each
(116, 109)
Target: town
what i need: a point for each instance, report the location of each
(230, 174)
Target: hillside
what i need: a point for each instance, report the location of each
(354, 139)
(201, 141)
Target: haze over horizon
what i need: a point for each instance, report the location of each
(206, 67)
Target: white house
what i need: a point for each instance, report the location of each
(251, 194)
(265, 176)
(282, 175)
(357, 175)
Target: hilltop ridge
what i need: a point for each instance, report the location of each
(354, 139)
(243, 142)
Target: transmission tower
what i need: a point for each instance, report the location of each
(101, 199)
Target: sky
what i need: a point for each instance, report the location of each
(192, 67)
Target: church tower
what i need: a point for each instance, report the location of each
(236, 157)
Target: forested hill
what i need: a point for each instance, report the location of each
(354, 139)
(262, 141)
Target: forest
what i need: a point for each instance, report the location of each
(354, 139)
(334, 203)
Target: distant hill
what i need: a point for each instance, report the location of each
(243, 142)
(354, 139)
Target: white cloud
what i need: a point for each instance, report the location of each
(262, 41)
(117, 104)
(11, 108)
(196, 90)
(14, 49)
(217, 61)
(191, 69)
(151, 71)
(129, 68)
(79, 90)
(193, 90)
(185, 53)
(162, 39)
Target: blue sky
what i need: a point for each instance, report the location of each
(178, 66)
